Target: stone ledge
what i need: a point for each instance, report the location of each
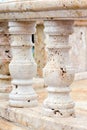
(7, 125)
(33, 119)
(44, 15)
(81, 76)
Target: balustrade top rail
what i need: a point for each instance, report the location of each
(43, 9)
(41, 5)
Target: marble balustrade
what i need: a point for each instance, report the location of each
(20, 21)
(58, 74)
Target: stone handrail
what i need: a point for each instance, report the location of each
(41, 5)
(57, 9)
(58, 17)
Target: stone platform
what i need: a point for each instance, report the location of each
(33, 118)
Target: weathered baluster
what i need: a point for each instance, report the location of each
(58, 74)
(22, 67)
(5, 57)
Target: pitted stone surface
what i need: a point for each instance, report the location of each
(33, 118)
(58, 73)
(22, 67)
(5, 58)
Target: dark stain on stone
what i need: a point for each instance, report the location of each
(51, 18)
(5, 35)
(7, 51)
(63, 71)
(9, 56)
(57, 111)
(55, 51)
(8, 74)
(16, 86)
(81, 33)
(64, 5)
(0, 66)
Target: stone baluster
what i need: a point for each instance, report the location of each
(22, 67)
(58, 74)
(5, 57)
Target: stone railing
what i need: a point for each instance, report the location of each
(18, 23)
